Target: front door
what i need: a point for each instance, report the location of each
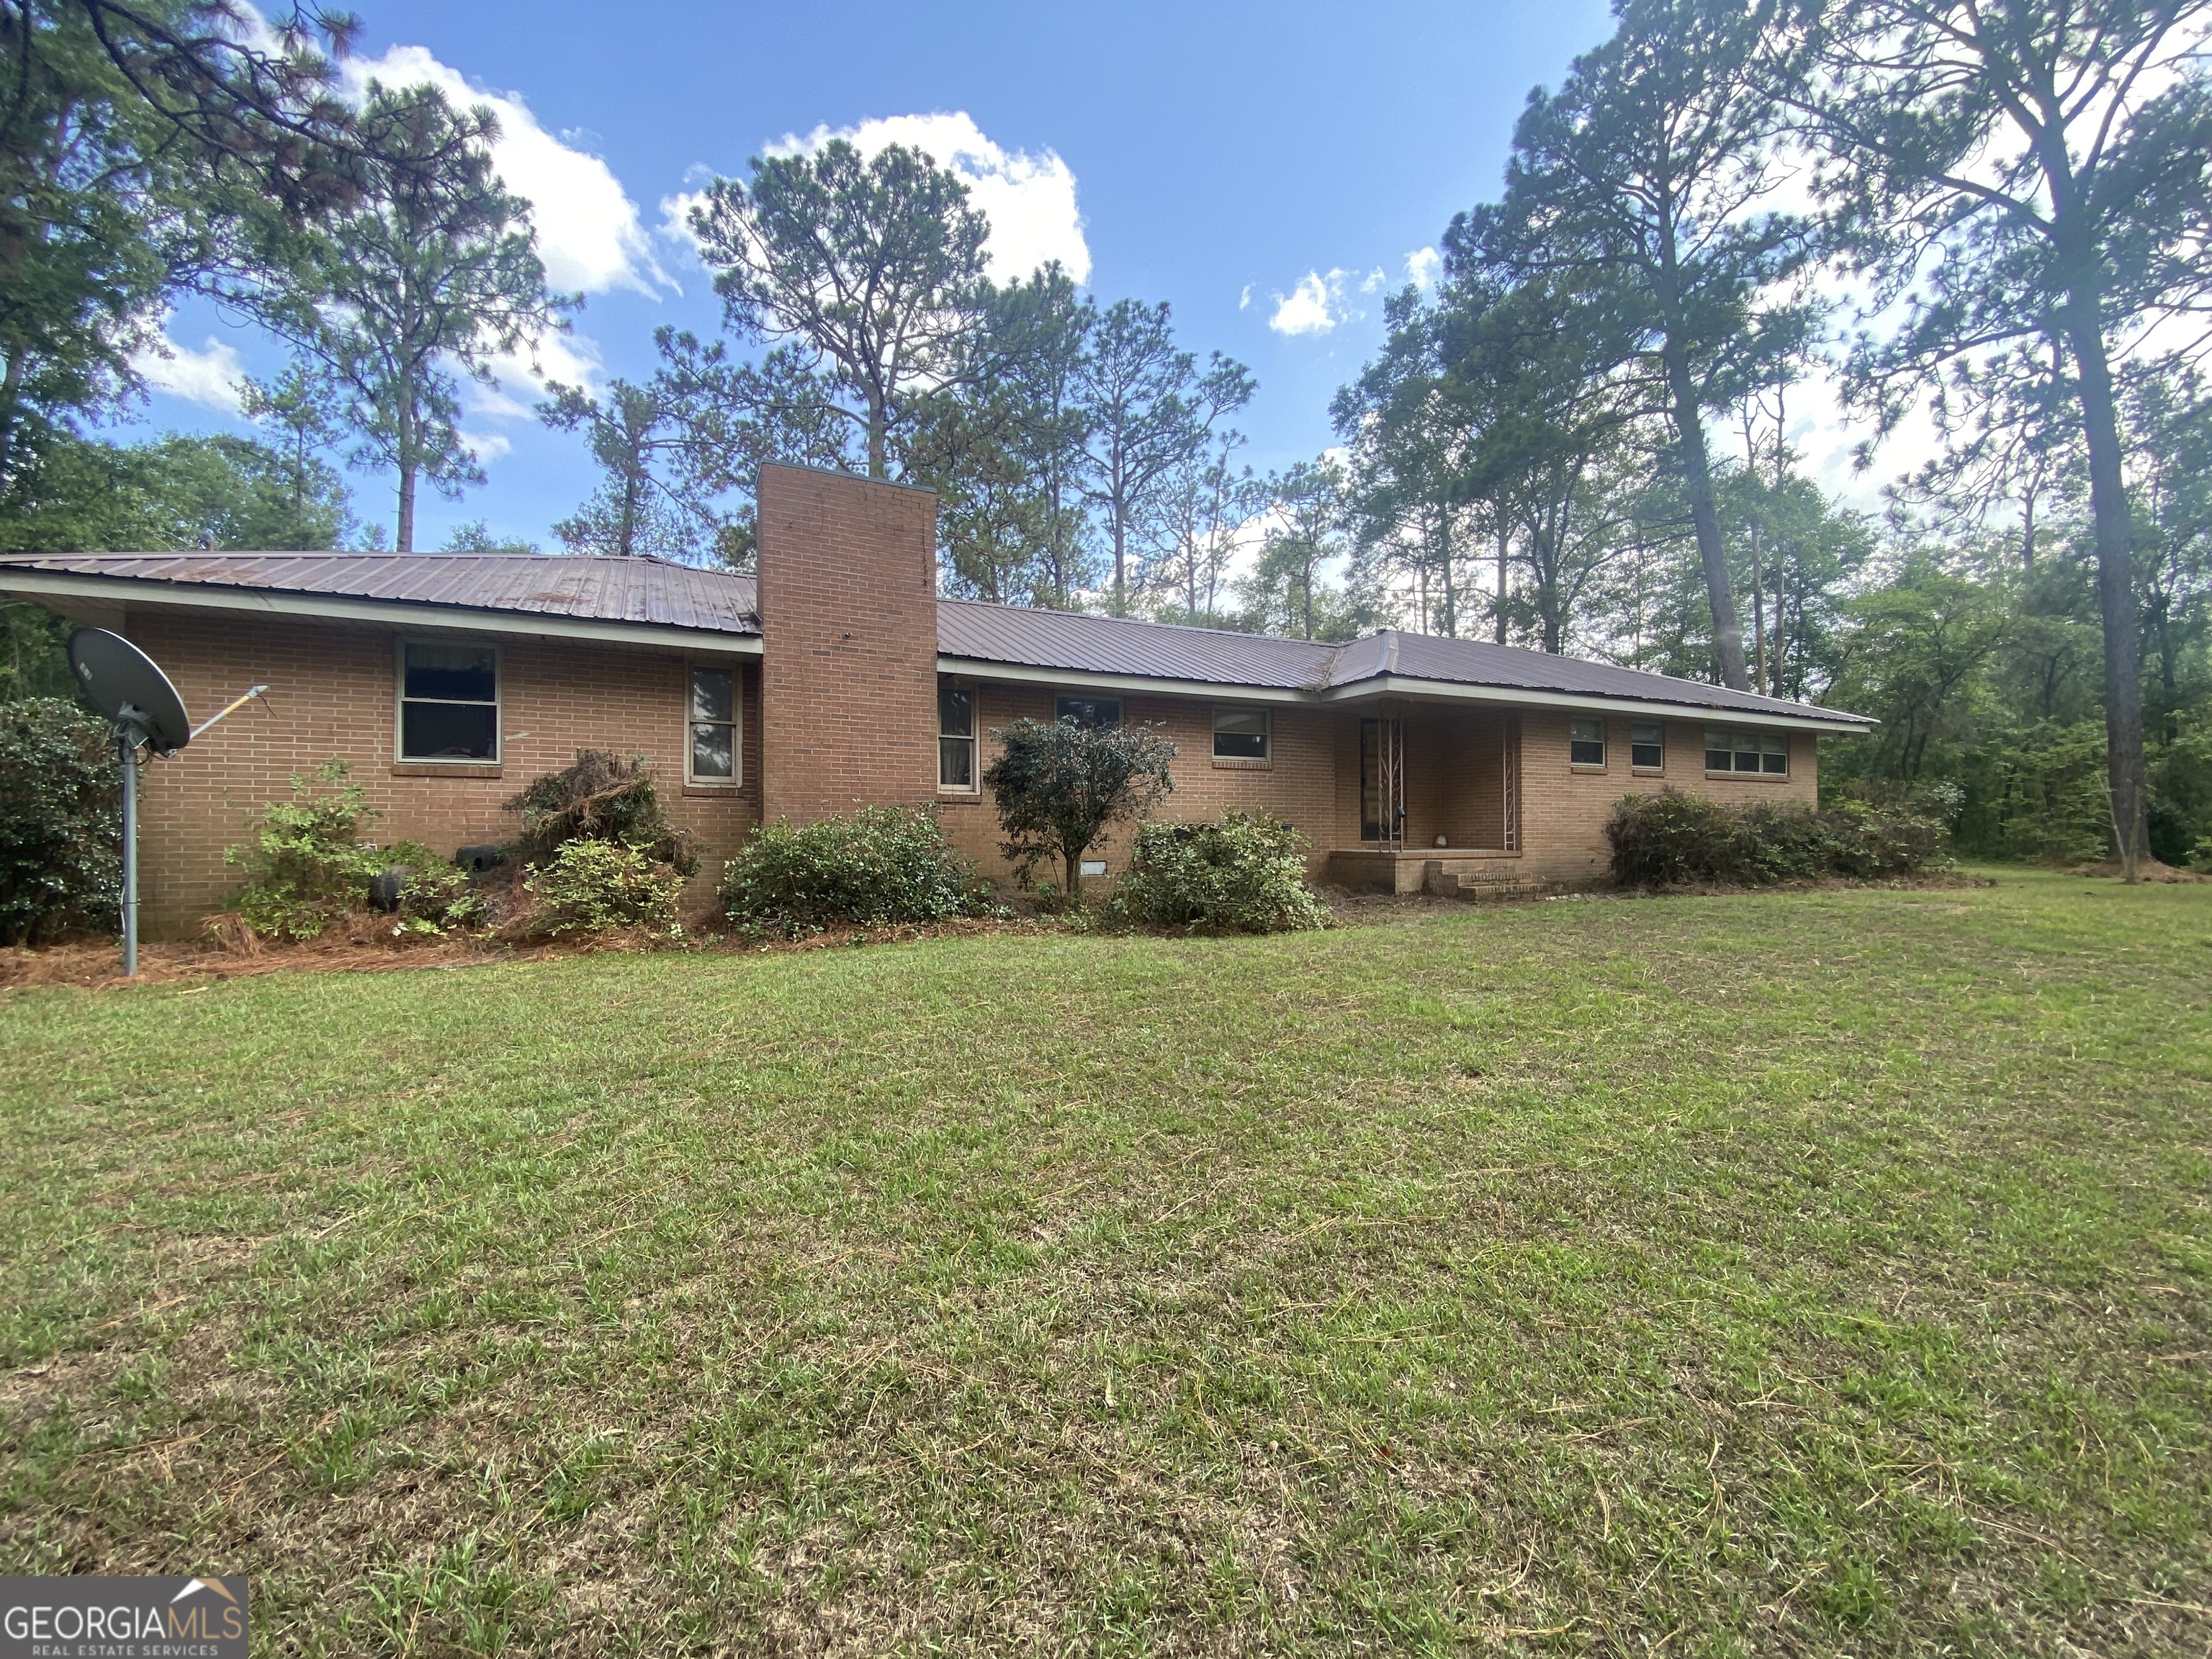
(1383, 782)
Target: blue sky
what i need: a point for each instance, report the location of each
(1282, 156)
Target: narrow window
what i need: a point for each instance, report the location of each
(1774, 754)
(955, 739)
(1093, 712)
(1719, 747)
(1240, 734)
(1647, 746)
(713, 726)
(448, 702)
(1586, 741)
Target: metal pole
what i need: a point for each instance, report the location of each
(124, 741)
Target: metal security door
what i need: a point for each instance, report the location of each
(1383, 782)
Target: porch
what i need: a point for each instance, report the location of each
(1438, 791)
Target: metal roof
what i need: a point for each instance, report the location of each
(655, 593)
(637, 590)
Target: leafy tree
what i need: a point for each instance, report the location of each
(1148, 409)
(633, 431)
(1643, 188)
(1305, 509)
(476, 536)
(1918, 644)
(432, 268)
(1060, 785)
(176, 492)
(61, 821)
(2026, 174)
(1198, 515)
(301, 405)
(873, 268)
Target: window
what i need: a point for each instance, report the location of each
(1586, 741)
(448, 702)
(713, 726)
(1647, 746)
(1240, 734)
(1093, 712)
(955, 739)
(1763, 752)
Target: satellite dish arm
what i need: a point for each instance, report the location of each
(231, 708)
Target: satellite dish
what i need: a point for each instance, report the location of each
(129, 687)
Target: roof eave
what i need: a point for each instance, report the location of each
(344, 608)
(1405, 685)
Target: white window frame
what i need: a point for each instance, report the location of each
(973, 740)
(1266, 755)
(1742, 741)
(737, 724)
(1634, 765)
(1604, 747)
(400, 700)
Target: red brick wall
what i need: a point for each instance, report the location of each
(1564, 808)
(848, 621)
(331, 695)
(1455, 779)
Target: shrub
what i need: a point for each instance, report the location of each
(306, 866)
(1241, 875)
(594, 886)
(1061, 784)
(602, 797)
(882, 866)
(61, 822)
(437, 893)
(1671, 838)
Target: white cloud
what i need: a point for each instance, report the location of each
(588, 231)
(208, 377)
(1028, 199)
(1245, 299)
(1423, 266)
(489, 446)
(1318, 303)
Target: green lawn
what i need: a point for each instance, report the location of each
(1822, 1273)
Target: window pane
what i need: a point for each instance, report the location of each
(714, 694)
(956, 763)
(956, 713)
(1586, 742)
(1746, 751)
(449, 730)
(453, 673)
(711, 752)
(1646, 746)
(1718, 755)
(1240, 734)
(1774, 755)
(1090, 711)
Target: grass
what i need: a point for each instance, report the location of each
(1807, 1274)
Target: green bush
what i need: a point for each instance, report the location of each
(602, 797)
(882, 866)
(438, 894)
(61, 822)
(306, 866)
(1243, 875)
(596, 886)
(1670, 839)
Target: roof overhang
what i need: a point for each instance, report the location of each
(1403, 685)
(211, 598)
(1382, 686)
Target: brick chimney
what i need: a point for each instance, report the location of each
(848, 635)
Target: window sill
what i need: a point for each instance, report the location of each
(1649, 771)
(447, 769)
(713, 791)
(959, 797)
(1751, 777)
(1241, 763)
(1584, 766)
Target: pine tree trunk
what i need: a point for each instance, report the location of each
(1712, 555)
(403, 539)
(2116, 598)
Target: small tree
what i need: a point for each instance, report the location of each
(1060, 786)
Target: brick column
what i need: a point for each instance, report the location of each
(848, 627)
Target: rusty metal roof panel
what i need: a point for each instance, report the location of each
(1026, 637)
(648, 591)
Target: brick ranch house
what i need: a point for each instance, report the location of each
(838, 677)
